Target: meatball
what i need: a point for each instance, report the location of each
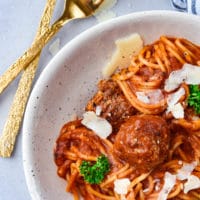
(114, 105)
(142, 141)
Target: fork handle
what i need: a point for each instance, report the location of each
(11, 73)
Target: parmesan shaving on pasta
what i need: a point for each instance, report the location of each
(125, 48)
(173, 98)
(186, 170)
(193, 182)
(121, 186)
(99, 125)
(173, 106)
(170, 181)
(177, 111)
(150, 97)
(188, 74)
(98, 110)
(142, 97)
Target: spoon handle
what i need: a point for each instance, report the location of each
(15, 117)
(11, 73)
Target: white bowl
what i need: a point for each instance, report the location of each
(69, 81)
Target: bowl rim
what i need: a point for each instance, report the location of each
(58, 59)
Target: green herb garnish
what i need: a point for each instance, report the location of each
(94, 173)
(194, 98)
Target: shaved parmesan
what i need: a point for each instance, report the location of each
(186, 170)
(99, 125)
(169, 182)
(142, 97)
(121, 185)
(125, 48)
(173, 106)
(150, 97)
(177, 111)
(173, 98)
(193, 182)
(98, 110)
(189, 74)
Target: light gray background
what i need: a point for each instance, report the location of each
(18, 24)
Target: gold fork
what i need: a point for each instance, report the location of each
(74, 9)
(13, 122)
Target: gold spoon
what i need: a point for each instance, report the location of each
(74, 9)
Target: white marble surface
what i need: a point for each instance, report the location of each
(18, 25)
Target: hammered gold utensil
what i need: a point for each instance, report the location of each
(12, 125)
(74, 9)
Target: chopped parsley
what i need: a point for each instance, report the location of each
(95, 173)
(194, 98)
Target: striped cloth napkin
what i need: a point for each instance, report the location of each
(190, 6)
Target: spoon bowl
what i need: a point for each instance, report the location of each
(79, 8)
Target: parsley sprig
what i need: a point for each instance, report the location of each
(94, 173)
(194, 98)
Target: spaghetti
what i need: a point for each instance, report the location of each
(149, 143)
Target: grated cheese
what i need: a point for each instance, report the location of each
(169, 182)
(188, 74)
(121, 186)
(99, 125)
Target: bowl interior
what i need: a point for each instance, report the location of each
(69, 81)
